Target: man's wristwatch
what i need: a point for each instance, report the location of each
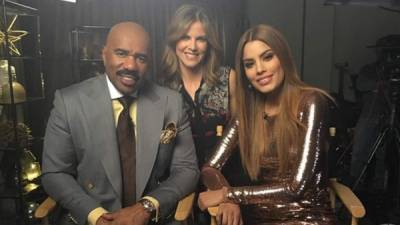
(148, 207)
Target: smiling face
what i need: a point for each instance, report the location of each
(192, 47)
(125, 56)
(262, 67)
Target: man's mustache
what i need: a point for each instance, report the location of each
(133, 73)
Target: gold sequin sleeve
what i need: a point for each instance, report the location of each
(211, 175)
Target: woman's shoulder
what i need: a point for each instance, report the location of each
(224, 71)
(223, 75)
(314, 97)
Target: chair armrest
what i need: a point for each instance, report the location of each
(184, 208)
(349, 199)
(213, 213)
(45, 208)
(213, 210)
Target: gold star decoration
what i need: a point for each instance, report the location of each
(13, 37)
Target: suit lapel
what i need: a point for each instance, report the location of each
(150, 116)
(103, 136)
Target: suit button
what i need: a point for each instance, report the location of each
(90, 186)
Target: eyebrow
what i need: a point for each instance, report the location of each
(262, 54)
(138, 54)
(187, 35)
(120, 50)
(266, 52)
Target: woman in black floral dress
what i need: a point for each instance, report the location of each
(191, 65)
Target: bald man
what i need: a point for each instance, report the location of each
(84, 168)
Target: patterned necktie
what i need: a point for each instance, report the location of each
(127, 152)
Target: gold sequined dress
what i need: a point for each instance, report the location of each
(300, 195)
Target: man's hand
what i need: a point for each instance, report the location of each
(212, 198)
(133, 215)
(229, 214)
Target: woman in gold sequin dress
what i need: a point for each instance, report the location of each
(281, 130)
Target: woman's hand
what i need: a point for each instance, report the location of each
(212, 198)
(229, 214)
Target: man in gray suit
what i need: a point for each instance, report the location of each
(82, 163)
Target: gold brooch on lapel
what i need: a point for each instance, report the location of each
(168, 134)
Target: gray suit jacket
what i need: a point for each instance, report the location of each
(81, 165)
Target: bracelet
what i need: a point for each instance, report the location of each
(235, 197)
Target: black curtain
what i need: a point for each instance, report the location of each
(59, 18)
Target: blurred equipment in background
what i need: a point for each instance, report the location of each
(376, 149)
(343, 119)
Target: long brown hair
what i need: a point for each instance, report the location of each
(287, 129)
(184, 17)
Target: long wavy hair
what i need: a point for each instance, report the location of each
(287, 130)
(183, 18)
